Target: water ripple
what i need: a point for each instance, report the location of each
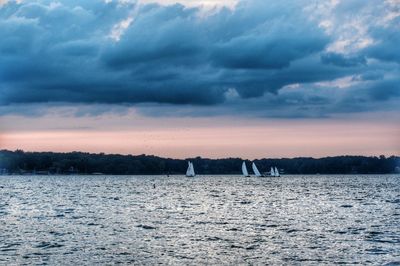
(217, 220)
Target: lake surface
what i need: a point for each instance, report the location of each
(85, 220)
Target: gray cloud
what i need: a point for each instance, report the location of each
(173, 57)
(387, 44)
(342, 60)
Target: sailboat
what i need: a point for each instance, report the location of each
(244, 170)
(272, 173)
(190, 170)
(277, 172)
(255, 170)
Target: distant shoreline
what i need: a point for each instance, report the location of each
(82, 163)
(197, 176)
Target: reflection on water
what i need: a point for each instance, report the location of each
(202, 220)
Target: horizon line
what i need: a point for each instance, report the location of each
(199, 156)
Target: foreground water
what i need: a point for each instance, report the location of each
(206, 220)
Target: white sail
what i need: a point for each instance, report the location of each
(188, 170)
(272, 173)
(255, 170)
(244, 169)
(276, 172)
(192, 169)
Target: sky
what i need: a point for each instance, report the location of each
(212, 78)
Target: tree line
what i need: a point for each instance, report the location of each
(20, 162)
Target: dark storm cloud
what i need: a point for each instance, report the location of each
(387, 45)
(158, 35)
(384, 90)
(343, 61)
(87, 52)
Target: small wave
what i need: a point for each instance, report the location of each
(147, 227)
(213, 238)
(289, 231)
(251, 247)
(92, 224)
(377, 251)
(235, 246)
(393, 201)
(201, 222)
(76, 217)
(392, 263)
(233, 229)
(386, 241)
(58, 233)
(183, 257)
(221, 223)
(374, 233)
(10, 247)
(271, 225)
(47, 245)
(124, 253)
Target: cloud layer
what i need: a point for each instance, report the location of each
(260, 58)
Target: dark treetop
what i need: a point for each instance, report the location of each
(20, 162)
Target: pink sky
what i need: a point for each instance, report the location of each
(207, 137)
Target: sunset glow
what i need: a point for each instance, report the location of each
(212, 137)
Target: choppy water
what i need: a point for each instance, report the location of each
(207, 220)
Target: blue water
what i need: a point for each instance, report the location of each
(86, 220)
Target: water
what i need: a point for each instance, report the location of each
(207, 220)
